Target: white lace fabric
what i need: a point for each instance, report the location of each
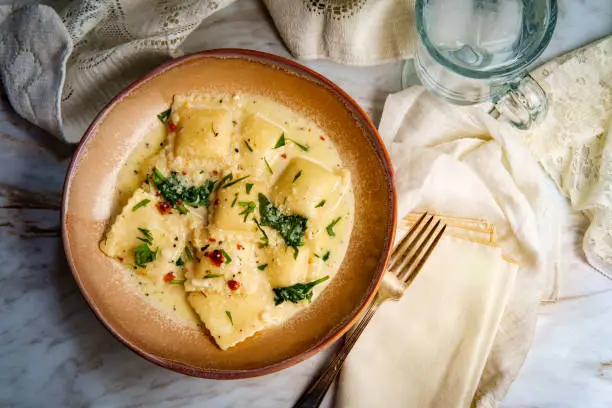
(574, 143)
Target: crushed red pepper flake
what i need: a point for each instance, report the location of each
(284, 156)
(238, 246)
(322, 138)
(120, 259)
(216, 257)
(169, 277)
(171, 126)
(215, 172)
(184, 173)
(211, 240)
(233, 284)
(163, 207)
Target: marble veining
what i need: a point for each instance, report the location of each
(54, 353)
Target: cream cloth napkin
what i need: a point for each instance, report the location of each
(458, 161)
(438, 335)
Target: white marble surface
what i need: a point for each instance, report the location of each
(54, 353)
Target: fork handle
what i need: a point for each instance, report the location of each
(314, 394)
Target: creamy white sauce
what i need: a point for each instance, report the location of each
(171, 298)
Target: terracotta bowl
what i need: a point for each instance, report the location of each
(87, 208)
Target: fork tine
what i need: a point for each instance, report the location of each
(401, 249)
(405, 253)
(412, 270)
(411, 255)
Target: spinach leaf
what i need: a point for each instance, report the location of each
(174, 190)
(290, 227)
(144, 254)
(297, 292)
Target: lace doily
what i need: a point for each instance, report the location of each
(574, 143)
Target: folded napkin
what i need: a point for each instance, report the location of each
(439, 334)
(460, 162)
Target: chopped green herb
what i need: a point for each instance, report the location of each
(264, 238)
(250, 208)
(301, 146)
(262, 267)
(297, 292)
(212, 275)
(321, 204)
(281, 141)
(227, 177)
(249, 186)
(290, 227)
(318, 256)
(163, 116)
(188, 253)
(248, 145)
(295, 252)
(330, 227)
(325, 256)
(141, 204)
(148, 239)
(177, 281)
(180, 262)
(228, 259)
(229, 316)
(146, 233)
(268, 166)
(297, 176)
(235, 199)
(235, 181)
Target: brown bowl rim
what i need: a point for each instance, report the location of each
(326, 341)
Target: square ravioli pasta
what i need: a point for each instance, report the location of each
(146, 239)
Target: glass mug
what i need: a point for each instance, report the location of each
(471, 51)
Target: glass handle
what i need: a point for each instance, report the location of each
(523, 103)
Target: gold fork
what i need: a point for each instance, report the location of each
(405, 262)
